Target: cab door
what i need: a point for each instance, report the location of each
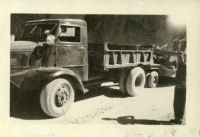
(71, 50)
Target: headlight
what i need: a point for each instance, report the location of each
(50, 39)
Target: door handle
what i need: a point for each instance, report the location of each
(81, 48)
(83, 54)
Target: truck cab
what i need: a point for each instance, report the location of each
(69, 37)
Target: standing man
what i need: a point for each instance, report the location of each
(180, 89)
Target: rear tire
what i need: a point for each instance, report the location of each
(57, 97)
(122, 82)
(135, 79)
(153, 79)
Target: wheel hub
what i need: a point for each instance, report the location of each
(62, 96)
(154, 79)
(138, 81)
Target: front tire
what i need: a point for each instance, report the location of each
(57, 97)
(136, 79)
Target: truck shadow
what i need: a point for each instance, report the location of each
(131, 120)
(107, 91)
(25, 107)
(28, 107)
(166, 82)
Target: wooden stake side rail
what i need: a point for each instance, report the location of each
(127, 58)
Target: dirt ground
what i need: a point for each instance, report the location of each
(105, 105)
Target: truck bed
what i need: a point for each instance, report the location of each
(112, 56)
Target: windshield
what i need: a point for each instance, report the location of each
(38, 32)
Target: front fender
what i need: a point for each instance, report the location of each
(17, 78)
(36, 78)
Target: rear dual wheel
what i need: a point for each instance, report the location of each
(57, 97)
(152, 79)
(122, 82)
(134, 80)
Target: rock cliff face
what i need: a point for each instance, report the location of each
(124, 29)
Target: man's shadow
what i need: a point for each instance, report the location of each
(131, 120)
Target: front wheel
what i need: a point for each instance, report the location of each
(57, 97)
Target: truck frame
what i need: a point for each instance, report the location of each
(55, 59)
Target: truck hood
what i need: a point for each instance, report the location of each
(23, 46)
(20, 52)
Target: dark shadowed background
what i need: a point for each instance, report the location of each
(120, 29)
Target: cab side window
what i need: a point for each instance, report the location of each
(69, 34)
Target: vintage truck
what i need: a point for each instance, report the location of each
(53, 57)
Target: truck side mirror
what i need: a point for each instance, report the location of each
(63, 29)
(47, 32)
(12, 38)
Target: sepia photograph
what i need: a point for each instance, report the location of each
(98, 68)
(118, 68)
